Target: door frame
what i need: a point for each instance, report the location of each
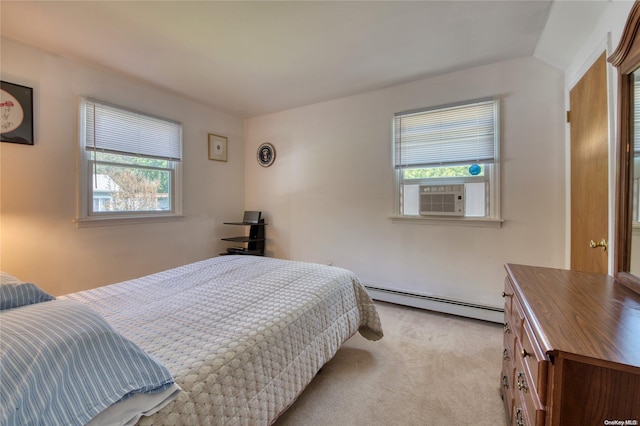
(605, 45)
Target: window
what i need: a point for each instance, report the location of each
(447, 161)
(129, 163)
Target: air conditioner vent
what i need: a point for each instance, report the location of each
(442, 200)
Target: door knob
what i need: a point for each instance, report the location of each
(602, 243)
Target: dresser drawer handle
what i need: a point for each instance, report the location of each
(522, 382)
(507, 327)
(505, 354)
(524, 353)
(505, 382)
(505, 294)
(520, 417)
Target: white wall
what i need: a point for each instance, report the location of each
(329, 194)
(328, 197)
(608, 29)
(39, 241)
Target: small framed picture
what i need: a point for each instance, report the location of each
(16, 113)
(266, 154)
(217, 147)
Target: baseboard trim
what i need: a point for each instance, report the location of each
(438, 304)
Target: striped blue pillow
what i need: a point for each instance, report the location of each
(14, 295)
(61, 363)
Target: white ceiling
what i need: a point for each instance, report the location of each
(251, 58)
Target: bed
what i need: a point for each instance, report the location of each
(241, 336)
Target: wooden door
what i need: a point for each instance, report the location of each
(589, 170)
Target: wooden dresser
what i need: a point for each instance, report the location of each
(571, 349)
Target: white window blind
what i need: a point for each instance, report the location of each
(446, 135)
(121, 131)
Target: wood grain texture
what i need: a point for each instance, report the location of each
(585, 382)
(580, 313)
(590, 168)
(588, 329)
(627, 59)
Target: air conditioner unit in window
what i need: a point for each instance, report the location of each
(442, 200)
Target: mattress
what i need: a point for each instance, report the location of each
(241, 335)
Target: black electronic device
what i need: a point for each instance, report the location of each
(250, 217)
(236, 250)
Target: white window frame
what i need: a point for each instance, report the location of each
(492, 176)
(84, 214)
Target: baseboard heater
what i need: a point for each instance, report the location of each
(438, 304)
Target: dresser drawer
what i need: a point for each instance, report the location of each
(519, 415)
(512, 324)
(507, 295)
(506, 388)
(527, 361)
(507, 357)
(518, 317)
(533, 360)
(508, 346)
(526, 397)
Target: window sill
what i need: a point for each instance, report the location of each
(443, 220)
(91, 222)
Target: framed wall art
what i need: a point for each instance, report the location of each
(217, 147)
(16, 113)
(266, 154)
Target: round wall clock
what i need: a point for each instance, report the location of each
(266, 154)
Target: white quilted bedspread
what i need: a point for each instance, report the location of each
(242, 335)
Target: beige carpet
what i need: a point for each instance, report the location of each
(429, 369)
